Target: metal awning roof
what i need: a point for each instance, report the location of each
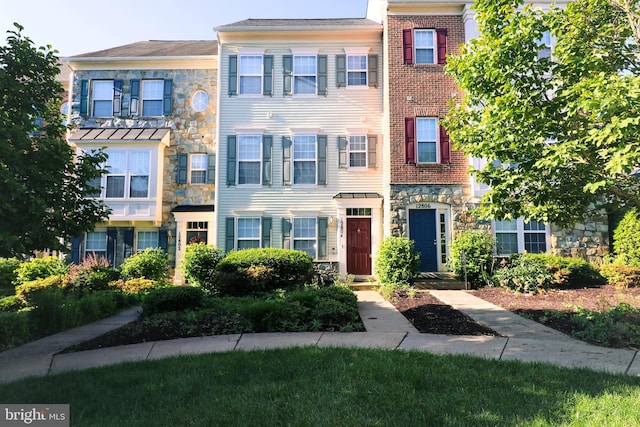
(357, 196)
(88, 135)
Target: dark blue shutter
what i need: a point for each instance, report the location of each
(372, 65)
(111, 245)
(84, 98)
(117, 97)
(322, 159)
(266, 232)
(233, 75)
(372, 151)
(286, 160)
(267, 87)
(323, 223)
(286, 233)
(167, 99)
(229, 234)
(183, 160)
(127, 237)
(134, 107)
(76, 246)
(287, 74)
(211, 169)
(342, 152)
(341, 70)
(267, 143)
(231, 160)
(322, 74)
(163, 239)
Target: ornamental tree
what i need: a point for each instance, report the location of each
(44, 186)
(559, 128)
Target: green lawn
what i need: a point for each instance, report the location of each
(335, 387)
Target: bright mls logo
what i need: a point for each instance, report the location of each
(35, 415)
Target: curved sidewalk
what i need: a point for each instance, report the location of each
(521, 339)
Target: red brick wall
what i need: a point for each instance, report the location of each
(421, 90)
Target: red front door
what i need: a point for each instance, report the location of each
(359, 246)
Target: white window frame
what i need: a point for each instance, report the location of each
(433, 46)
(363, 150)
(198, 163)
(243, 73)
(520, 232)
(421, 140)
(140, 247)
(297, 156)
(303, 74)
(128, 173)
(198, 227)
(297, 236)
(154, 96)
(90, 247)
(358, 71)
(241, 236)
(547, 42)
(249, 157)
(103, 97)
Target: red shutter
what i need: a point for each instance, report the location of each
(407, 46)
(441, 36)
(445, 146)
(410, 139)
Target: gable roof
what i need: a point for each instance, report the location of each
(157, 48)
(298, 24)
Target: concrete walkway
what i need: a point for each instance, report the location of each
(521, 339)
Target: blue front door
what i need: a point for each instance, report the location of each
(422, 230)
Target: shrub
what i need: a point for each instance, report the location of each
(524, 276)
(14, 329)
(259, 270)
(397, 262)
(8, 274)
(93, 274)
(150, 264)
(27, 290)
(568, 272)
(173, 298)
(138, 286)
(622, 276)
(11, 303)
(472, 251)
(199, 263)
(626, 239)
(39, 268)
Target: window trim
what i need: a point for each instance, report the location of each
(86, 251)
(295, 75)
(435, 141)
(293, 159)
(260, 76)
(259, 159)
(137, 243)
(127, 174)
(434, 46)
(109, 98)
(364, 150)
(192, 157)
(143, 99)
(520, 233)
(257, 239)
(315, 237)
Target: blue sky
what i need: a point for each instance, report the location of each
(80, 27)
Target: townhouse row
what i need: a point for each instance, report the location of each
(322, 135)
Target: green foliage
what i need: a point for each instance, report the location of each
(8, 274)
(622, 276)
(44, 200)
(150, 264)
(92, 274)
(568, 272)
(11, 303)
(14, 329)
(199, 264)
(140, 286)
(173, 298)
(524, 276)
(397, 262)
(28, 290)
(559, 132)
(263, 269)
(614, 327)
(626, 239)
(39, 268)
(472, 250)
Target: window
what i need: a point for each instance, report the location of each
(198, 168)
(197, 232)
(304, 74)
(304, 235)
(147, 239)
(250, 72)
(96, 244)
(544, 50)
(427, 139)
(425, 46)
(304, 159)
(514, 236)
(199, 101)
(358, 151)
(152, 96)
(127, 176)
(249, 159)
(102, 98)
(357, 70)
(248, 233)
(139, 174)
(116, 175)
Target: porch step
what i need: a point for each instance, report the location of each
(439, 281)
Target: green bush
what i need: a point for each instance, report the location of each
(626, 239)
(199, 264)
(472, 251)
(138, 286)
(150, 264)
(92, 274)
(27, 290)
(397, 262)
(14, 329)
(524, 276)
(173, 298)
(11, 303)
(260, 270)
(568, 272)
(39, 268)
(8, 274)
(622, 276)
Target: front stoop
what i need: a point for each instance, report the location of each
(439, 281)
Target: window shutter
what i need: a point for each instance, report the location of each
(410, 139)
(441, 36)
(267, 143)
(167, 99)
(117, 97)
(286, 233)
(183, 160)
(230, 238)
(287, 74)
(372, 151)
(231, 160)
(342, 152)
(323, 223)
(445, 146)
(135, 97)
(111, 246)
(163, 239)
(373, 70)
(341, 70)
(127, 237)
(286, 160)
(76, 245)
(407, 45)
(266, 232)
(267, 87)
(233, 75)
(211, 169)
(84, 98)
(322, 159)
(322, 74)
